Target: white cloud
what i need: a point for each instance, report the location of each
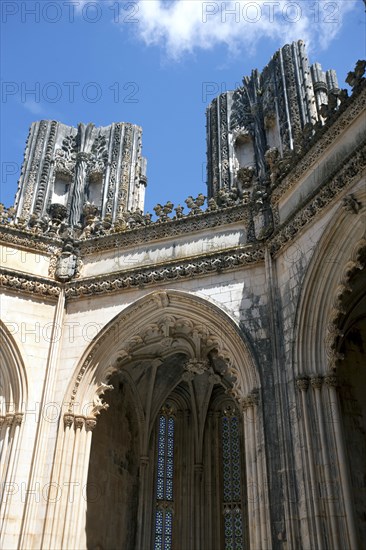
(33, 106)
(182, 26)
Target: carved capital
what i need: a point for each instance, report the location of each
(2, 420)
(18, 419)
(144, 461)
(316, 382)
(302, 383)
(79, 422)
(68, 420)
(9, 418)
(90, 424)
(246, 403)
(331, 380)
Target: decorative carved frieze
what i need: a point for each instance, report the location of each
(171, 272)
(29, 284)
(328, 191)
(310, 158)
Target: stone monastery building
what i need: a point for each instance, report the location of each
(194, 380)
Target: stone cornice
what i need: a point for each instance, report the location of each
(24, 283)
(32, 242)
(312, 156)
(168, 229)
(168, 272)
(321, 198)
(173, 271)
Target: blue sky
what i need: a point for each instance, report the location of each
(153, 63)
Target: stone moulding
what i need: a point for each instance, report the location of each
(29, 241)
(170, 228)
(349, 174)
(332, 133)
(29, 284)
(200, 266)
(141, 277)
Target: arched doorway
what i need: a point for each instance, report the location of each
(177, 368)
(187, 488)
(13, 402)
(351, 381)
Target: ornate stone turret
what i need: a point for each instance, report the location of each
(265, 117)
(79, 169)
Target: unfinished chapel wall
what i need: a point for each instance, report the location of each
(191, 379)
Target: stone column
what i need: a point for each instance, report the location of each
(251, 471)
(84, 459)
(198, 472)
(303, 385)
(316, 383)
(11, 424)
(261, 479)
(143, 496)
(66, 515)
(74, 487)
(331, 382)
(6, 424)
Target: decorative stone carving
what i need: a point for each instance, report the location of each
(68, 420)
(302, 383)
(90, 424)
(195, 366)
(351, 204)
(98, 403)
(331, 380)
(246, 177)
(195, 204)
(356, 78)
(316, 382)
(79, 422)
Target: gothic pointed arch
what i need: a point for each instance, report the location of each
(330, 340)
(169, 371)
(326, 280)
(192, 325)
(13, 383)
(13, 402)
